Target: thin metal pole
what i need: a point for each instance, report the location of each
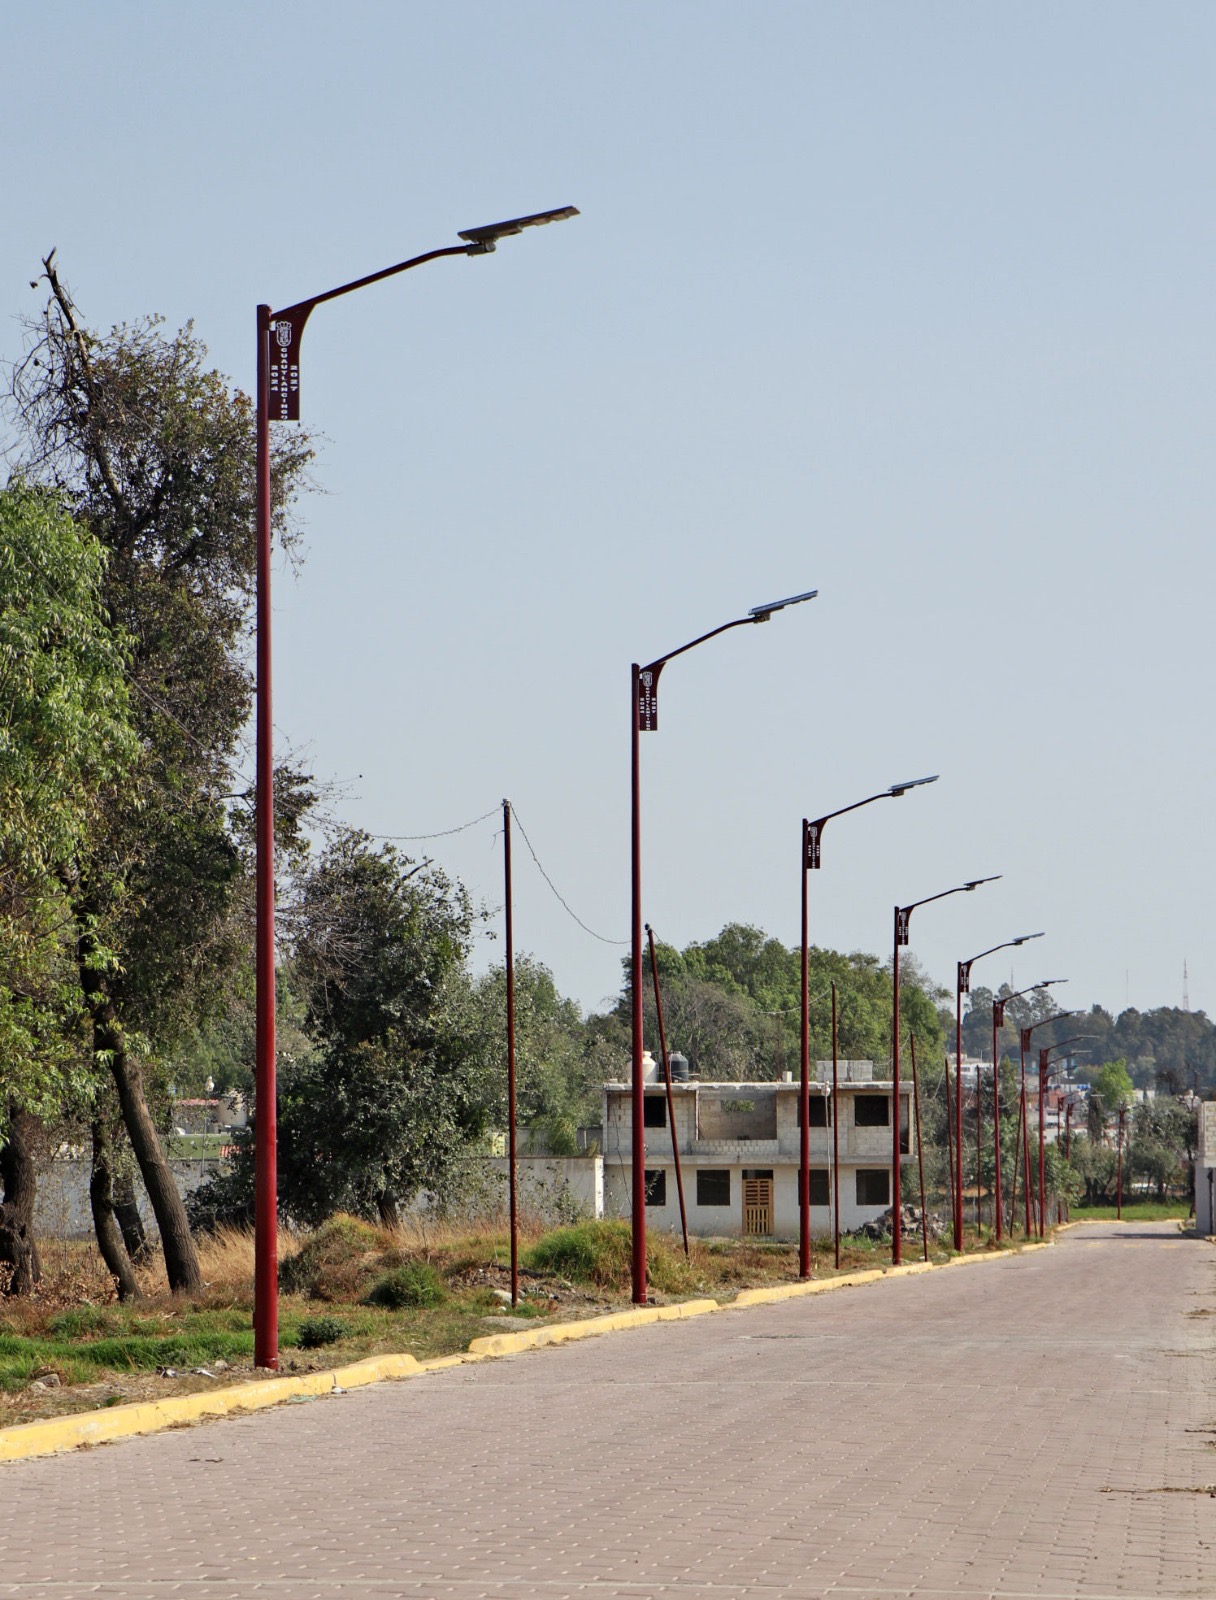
(804, 1090)
(1017, 1161)
(979, 1149)
(949, 1137)
(1119, 1179)
(512, 1159)
(1042, 1144)
(1068, 1149)
(638, 1184)
(958, 1109)
(996, 1130)
(671, 1105)
(266, 1262)
(920, 1154)
(836, 1135)
(896, 1197)
(1026, 1151)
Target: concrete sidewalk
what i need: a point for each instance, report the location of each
(1037, 1426)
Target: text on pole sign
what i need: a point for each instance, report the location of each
(284, 371)
(648, 700)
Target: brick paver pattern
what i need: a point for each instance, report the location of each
(1043, 1426)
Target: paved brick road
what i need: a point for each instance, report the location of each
(1034, 1427)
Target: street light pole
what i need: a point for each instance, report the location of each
(962, 987)
(903, 917)
(1044, 1059)
(644, 718)
(998, 1022)
(812, 836)
(1026, 1033)
(278, 395)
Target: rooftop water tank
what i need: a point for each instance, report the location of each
(679, 1067)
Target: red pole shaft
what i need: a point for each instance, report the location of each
(1068, 1143)
(266, 1255)
(835, 1135)
(671, 1104)
(512, 1159)
(638, 1184)
(896, 1206)
(1017, 1158)
(1026, 1153)
(996, 1131)
(950, 1136)
(1042, 1146)
(1119, 1178)
(979, 1149)
(804, 1089)
(958, 1109)
(920, 1154)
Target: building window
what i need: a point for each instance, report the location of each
(820, 1189)
(654, 1111)
(905, 1137)
(713, 1186)
(656, 1186)
(821, 1111)
(873, 1186)
(872, 1111)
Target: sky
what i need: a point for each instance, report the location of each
(911, 304)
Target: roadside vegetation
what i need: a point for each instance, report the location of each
(349, 1289)
(127, 581)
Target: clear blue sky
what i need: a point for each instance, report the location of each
(912, 303)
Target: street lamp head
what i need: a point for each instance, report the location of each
(483, 240)
(1027, 936)
(902, 788)
(763, 613)
(1048, 982)
(975, 882)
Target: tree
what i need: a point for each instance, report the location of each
(153, 454)
(393, 1091)
(65, 743)
(1110, 1091)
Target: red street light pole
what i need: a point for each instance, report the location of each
(812, 835)
(278, 395)
(644, 718)
(1025, 1041)
(962, 987)
(1044, 1058)
(903, 916)
(998, 1022)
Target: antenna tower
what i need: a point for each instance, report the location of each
(1186, 989)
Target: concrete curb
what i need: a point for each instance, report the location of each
(509, 1344)
(57, 1434)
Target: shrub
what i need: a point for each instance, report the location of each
(318, 1331)
(592, 1252)
(336, 1259)
(408, 1288)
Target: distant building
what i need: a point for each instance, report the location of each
(739, 1146)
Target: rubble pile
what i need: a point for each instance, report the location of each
(910, 1221)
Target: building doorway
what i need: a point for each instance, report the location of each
(757, 1203)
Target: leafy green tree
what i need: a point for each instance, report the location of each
(65, 745)
(153, 455)
(1110, 1091)
(393, 1092)
(557, 1087)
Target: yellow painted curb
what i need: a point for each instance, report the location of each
(150, 1416)
(792, 1291)
(122, 1422)
(509, 1344)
